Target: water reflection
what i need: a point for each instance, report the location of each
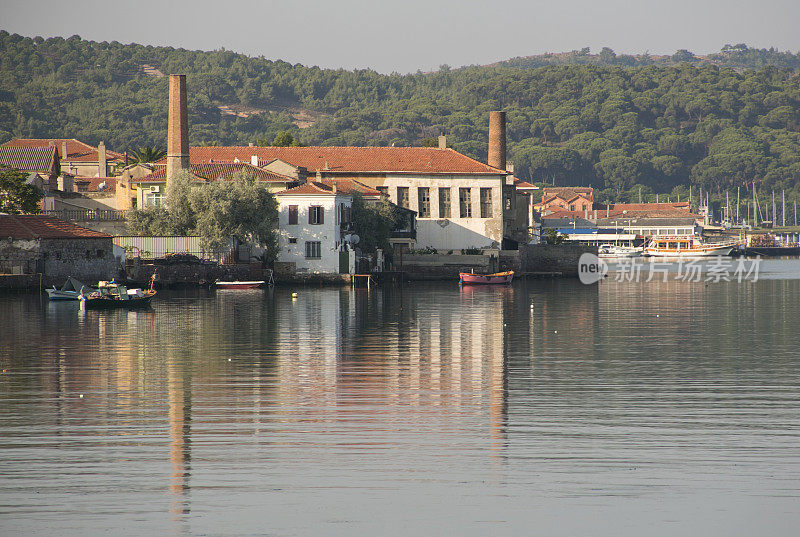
(461, 404)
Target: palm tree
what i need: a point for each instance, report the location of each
(147, 153)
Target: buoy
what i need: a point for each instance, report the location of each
(81, 396)
(229, 359)
(555, 331)
(294, 295)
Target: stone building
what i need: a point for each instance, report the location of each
(31, 244)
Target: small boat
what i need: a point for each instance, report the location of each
(687, 246)
(113, 295)
(614, 250)
(497, 277)
(71, 290)
(236, 284)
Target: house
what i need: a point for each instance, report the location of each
(459, 202)
(40, 163)
(151, 189)
(75, 157)
(577, 198)
(57, 249)
(313, 223)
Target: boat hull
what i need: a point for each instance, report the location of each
(692, 252)
(469, 278)
(114, 303)
(240, 285)
(56, 294)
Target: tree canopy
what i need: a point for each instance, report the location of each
(16, 196)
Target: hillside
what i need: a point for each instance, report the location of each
(614, 126)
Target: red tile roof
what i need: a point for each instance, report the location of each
(218, 170)
(348, 186)
(77, 151)
(426, 160)
(95, 182)
(310, 188)
(34, 226)
(524, 185)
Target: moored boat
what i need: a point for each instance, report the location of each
(71, 290)
(236, 284)
(688, 246)
(614, 250)
(496, 278)
(114, 295)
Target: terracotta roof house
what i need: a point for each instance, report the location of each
(57, 249)
(152, 189)
(76, 157)
(42, 161)
(459, 202)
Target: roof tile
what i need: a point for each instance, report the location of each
(34, 226)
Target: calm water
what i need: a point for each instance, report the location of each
(547, 408)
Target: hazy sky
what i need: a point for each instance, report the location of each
(406, 35)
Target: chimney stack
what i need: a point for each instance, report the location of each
(102, 164)
(254, 160)
(63, 150)
(177, 128)
(497, 140)
(442, 141)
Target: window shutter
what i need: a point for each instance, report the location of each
(321, 215)
(311, 215)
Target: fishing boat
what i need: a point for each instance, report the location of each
(687, 246)
(71, 290)
(615, 250)
(498, 277)
(113, 295)
(236, 284)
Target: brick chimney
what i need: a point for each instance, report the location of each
(442, 141)
(177, 127)
(63, 150)
(497, 140)
(102, 163)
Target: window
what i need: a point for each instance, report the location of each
(402, 196)
(292, 240)
(465, 202)
(154, 199)
(444, 203)
(571, 207)
(346, 214)
(424, 200)
(292, 214)
(316, 215)
(313, 249)
(486, 202)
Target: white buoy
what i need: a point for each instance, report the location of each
(81, 396)
(555, 331)
(294, 295)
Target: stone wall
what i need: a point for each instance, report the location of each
(184, 274)
(445, 267)
(88, 260)
(562, 258)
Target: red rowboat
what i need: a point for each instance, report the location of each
(239, 284)
(497, 277)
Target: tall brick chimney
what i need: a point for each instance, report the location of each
(177, 127)
(497, 140)
(102, 163)
(63, 150)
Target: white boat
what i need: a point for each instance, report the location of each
(687, 246)
(71, 290)
(615, 250)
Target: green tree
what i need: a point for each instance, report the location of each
(374, 222)
(147, 153)
(16, 196)
(285, 139)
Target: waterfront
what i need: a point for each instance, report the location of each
(544, 408)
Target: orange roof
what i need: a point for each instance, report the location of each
(427, 160)
(35, 226)
(218, 170)
(524, 185)
(77, 151)
(95, 182)
(348, 186)
(310, 188)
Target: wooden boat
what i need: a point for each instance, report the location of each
(687, 246)
(71, 290)
(236, 284)
(114, 295)
(497, 277)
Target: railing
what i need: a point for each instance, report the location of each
(87, 215)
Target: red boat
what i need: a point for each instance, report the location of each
(497, 277)
(239, 284)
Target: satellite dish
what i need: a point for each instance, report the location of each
(354, 239)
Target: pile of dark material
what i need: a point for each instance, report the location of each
(177, 259)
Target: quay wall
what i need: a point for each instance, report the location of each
(559, 258)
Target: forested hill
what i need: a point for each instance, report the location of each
(606, 125)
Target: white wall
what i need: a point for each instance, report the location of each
(455, 232)
(328, 233)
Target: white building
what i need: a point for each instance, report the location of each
(312, 221)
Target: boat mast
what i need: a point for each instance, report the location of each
(755, 206)
(737, 204)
